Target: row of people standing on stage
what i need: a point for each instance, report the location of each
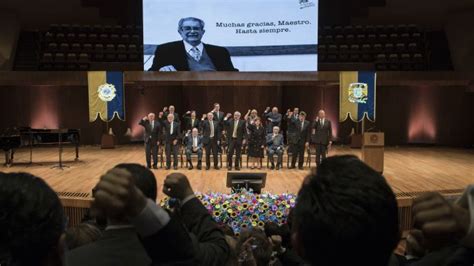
(205, 134)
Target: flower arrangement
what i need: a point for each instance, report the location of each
(246, 209)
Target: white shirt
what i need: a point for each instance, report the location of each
(171, 128)
(188, 48)
(152, 124)
(212, 128)
(234, 133)
(195, 141)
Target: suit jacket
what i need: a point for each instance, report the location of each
(221, 117)
(167, 129)
(210, 246)
(206, 131)
(275, 143)
(174, 53)
(321, 134)
(298, 134)
(115, 247)
(275, 120)
(152, 135)
(241, 129)
(188, 125)
(188, 141)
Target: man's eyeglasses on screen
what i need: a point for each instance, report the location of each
(188, 28)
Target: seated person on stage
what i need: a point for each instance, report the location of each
(275, 146)
(193, 144)
(190, 121)
(172, 135)
(151, 138)
(210, 138)
(191, 54)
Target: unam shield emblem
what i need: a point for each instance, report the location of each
(106, 92)
(358, 93)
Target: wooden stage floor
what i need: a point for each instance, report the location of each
(407, 169)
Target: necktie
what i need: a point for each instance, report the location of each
(212, 129)
(234, 134)
(195, 53)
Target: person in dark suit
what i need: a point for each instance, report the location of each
(209, 240)
(273, 118)
(170, 110)
(235, 129)
(151, 138)
(191, 54)
(321, 136)
(300, 138)
(119, 243)
(172, 134)
(219, 118)
(290, 130)
(193, 144)
(210, 135)
(191, 121)
(256, 142)
(275, 146)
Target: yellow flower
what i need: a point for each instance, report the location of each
(229, 211)
(233, 215)
(245, 205)
(239, 208)
(254, 224)
(261, 223)
(279, 214)
(217, 213)
(218, 206)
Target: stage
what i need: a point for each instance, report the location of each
(409, 170)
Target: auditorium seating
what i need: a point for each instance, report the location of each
(386, 47)
(81, 47)
(358, 47)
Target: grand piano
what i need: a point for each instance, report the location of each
(14, 138)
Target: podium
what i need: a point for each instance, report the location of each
(107, 141)
(373, 150)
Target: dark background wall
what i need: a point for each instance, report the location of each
(417, 114)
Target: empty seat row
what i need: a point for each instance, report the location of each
(92, 38)
(76, 28)
(88, 47)
(84, 57)
(370, 38)
(355, 29)
(370, 48)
